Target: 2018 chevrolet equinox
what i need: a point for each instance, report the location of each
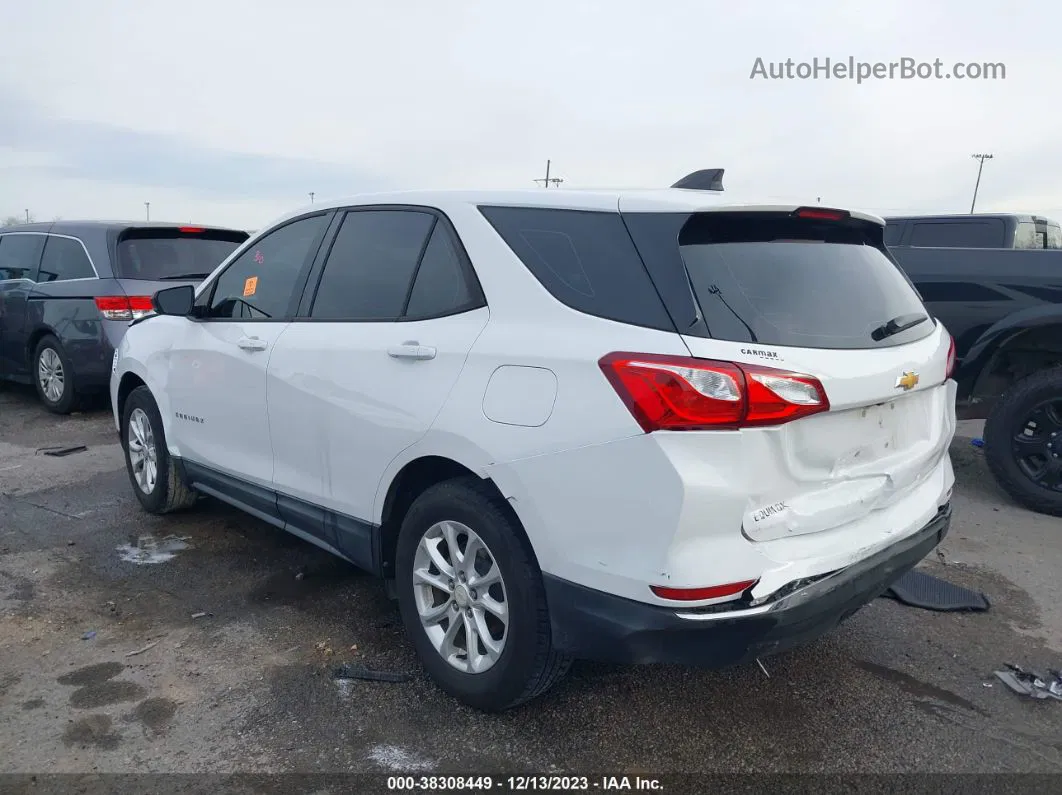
(634, 426)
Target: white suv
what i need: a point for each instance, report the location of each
(627, 426)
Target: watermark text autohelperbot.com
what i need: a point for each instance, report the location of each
(863, 71)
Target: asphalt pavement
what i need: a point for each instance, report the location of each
(218, 658)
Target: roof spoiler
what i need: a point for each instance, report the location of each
(705, 179)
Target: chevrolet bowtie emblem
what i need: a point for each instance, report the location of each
(907, 381)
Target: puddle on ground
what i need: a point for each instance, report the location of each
(92, 730)
(148, 549)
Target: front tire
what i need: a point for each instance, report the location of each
(156, 481)
(464, 569)
(1023, 442)
(53, 376)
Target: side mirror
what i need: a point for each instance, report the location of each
(175, 300)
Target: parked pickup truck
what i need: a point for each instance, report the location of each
(1004, 309)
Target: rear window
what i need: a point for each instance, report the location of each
(778, 280)
(981, 233)
(162, 254)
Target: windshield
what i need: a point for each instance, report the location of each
(779, 280)
(174, 254)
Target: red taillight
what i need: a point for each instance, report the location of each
(700, 594)
(191, 229)
(950, 371)
(676, 393)
(821, 214)
(124, 307)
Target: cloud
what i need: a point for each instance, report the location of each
(91, 150)
(242, 106)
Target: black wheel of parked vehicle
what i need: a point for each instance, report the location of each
(1023, 442)
(53, 376)
(472, 599)
(156, 480)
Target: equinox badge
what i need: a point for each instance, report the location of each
(907, 381)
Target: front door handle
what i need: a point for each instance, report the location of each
(252, 344)
(411, 350)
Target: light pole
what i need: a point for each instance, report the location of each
(147, 210)
(982, 158)
(27, 215)
(311, 197)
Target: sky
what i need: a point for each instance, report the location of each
(233, 111)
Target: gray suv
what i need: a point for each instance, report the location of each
(69, 289)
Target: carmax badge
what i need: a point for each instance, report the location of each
(907, 381)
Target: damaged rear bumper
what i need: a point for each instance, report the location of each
(590, 624)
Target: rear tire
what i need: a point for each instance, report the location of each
(53, 376)
(1011, 415)
(527, 664)
(156, 480)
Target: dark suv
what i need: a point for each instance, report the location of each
(69, 289)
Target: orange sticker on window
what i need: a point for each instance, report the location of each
(250, 285)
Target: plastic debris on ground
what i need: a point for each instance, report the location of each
(354, 671)
(149, 550)
(59, 452)
(1031, 684)
(979, 442)
(918, 589)
(89, 635)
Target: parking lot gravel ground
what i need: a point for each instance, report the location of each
(219, 658)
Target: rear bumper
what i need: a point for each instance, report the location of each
(590, 624)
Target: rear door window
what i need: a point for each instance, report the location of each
(773, 279)
(370, 268)
(186, 253)
(894, 233)
(64, 259)
(20, 255)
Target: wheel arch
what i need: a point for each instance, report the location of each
(34, 339)
(418, 469)
(1009, 351)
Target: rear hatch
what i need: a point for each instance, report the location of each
(813, 294)
(152, 258)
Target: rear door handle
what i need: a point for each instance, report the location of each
(252, 343)
(411, 350)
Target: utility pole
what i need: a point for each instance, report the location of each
(982, 158)
(27, 215)
(549, 180)
(311, 197)
(147, 210)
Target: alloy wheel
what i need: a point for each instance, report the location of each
(50, 375)
(460, 597)
(142, 452)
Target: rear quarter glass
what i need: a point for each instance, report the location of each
(774, 279)
(585, 259)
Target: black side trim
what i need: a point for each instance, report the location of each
(355, 540)
(304, 515)
(359, 541)
(257, 499)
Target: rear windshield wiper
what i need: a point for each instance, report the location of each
(896, 325)
(183, 277)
